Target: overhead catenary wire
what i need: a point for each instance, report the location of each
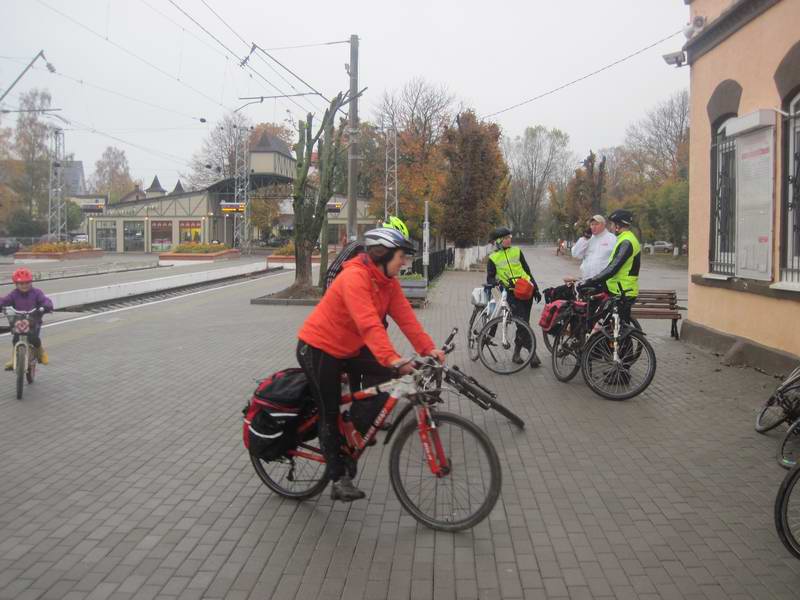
(133, 54)
(225, 46)
(83, 82)
(253, 46)
(311, 45)
(582, 78)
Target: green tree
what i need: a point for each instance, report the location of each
(74, 216)
(310, 207)
(31, 147)
(112, 175)
(22, 224)
(476, 179)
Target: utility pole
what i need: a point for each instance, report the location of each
(352, 148)
(390, 173)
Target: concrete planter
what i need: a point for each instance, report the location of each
(281, 260)
(222, 255)
(416, 290)
(68, 255)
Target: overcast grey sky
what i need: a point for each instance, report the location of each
(490, 55)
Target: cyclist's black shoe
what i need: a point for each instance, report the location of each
(344, 490)
(535, 362)
(517, 359)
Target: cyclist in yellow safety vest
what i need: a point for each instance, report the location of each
(621, 275)
(505, 265)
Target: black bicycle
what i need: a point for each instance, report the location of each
(615, 358)
(787, 512)
(783, 406)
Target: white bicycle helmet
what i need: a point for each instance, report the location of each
(388, 238)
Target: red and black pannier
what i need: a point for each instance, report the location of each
(553, 313)
(274, 412)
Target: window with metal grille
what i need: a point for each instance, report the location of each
(790, 270)
(722, 246)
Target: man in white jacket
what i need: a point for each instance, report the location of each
(594, 247)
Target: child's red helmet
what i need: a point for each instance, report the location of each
(22, 275)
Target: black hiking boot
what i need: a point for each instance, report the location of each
(344, 490)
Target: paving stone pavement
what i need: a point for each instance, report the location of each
(122, 475)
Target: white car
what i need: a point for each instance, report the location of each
(81, 237)
(659, 246)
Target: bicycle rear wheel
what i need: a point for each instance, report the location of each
(624, 378)
(771, 414)
(566, 356)
(498, 341)
(787, 512)
(789, 448)
(462, 496)
(293, 477)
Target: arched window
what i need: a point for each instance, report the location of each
(791, 213)
(722, 242)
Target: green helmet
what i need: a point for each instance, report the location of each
(397, 223)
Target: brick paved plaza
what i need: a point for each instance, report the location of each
(123, 475)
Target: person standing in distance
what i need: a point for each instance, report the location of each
(595, 247)
(507, 264)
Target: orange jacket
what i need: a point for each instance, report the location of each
(351, 313)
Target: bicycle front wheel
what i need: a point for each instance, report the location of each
(625, 377)
(787, 512)
(566, 356)
(461, 496)
(549, 338)
(20, 366)
(506, 345)
(476, 323)
(789, 448)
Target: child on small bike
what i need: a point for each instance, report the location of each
(26, 298)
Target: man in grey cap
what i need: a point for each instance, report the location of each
(594, 247)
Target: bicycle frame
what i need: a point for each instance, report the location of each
(356, 443)
(15, 317)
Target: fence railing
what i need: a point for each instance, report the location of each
(439, 261)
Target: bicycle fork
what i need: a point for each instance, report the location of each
(432, 443)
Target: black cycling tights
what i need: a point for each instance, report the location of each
(324, 373)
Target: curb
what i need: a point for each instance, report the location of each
(266, 300)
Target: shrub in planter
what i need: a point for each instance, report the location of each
(59, 247)
(285, 250)
(198, 248)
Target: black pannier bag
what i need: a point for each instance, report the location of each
(274, 412)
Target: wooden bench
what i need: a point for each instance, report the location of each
(658, 304)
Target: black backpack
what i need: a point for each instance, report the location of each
(351, 250)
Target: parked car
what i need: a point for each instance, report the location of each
(9, 246)
(277, 242)
(659, 246)
(80, 237)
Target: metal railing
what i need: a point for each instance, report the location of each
(790, 264)
(722, 242)
(439, 261)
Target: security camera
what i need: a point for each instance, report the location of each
(675, 58)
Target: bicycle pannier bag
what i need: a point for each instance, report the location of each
(274, 412)
(552, 313)
(480, 297)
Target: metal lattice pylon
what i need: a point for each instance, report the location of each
(390, 174)
(57, 207)
(242, 230)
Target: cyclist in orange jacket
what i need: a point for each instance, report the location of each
(345, 333)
